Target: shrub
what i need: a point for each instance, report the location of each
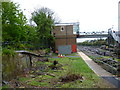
(6, 51)
(47, 50)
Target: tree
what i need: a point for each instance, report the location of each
(13, 22)
(45, 22)
(31, 33)
(43, 18)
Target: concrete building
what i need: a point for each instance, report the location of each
(65, 36)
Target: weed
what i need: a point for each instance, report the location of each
(9, 52)
(5, 86)
(37, 83)
(24, 79)
(75, 73)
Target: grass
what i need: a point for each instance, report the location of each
(37, 83)
(107, 57)
(5, 86)
(73, 54)
(23, 79)
(78, 66)
(118, 60)
(69, 66)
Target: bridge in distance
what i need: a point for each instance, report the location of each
(114, 34)
(92, 34)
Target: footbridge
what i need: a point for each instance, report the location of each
(92, 34)
(111, 33)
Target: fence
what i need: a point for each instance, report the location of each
(25, 45)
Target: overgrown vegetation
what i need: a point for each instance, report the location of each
(9, 52)
(69, 72)
(19, 35)
(98, 42)
(44, 20)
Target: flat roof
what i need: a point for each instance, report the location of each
(64, 24)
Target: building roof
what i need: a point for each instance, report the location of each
(64, 24)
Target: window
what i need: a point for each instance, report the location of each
(62, 28)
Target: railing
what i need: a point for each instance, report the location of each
(93, 33)
(115, 35)
(28, 45)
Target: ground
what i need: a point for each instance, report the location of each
(109, 58)
(67, 72)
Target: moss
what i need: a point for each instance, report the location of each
(24, 79)
(118, 60)
(47, 50)
(48, 63)
(54, 54)
(39, 63)
(47, 77)
(34, 83)
(73, 54)
(5, 86)
(9, 67)
(107, 57)
(37, 83)
(44, 84)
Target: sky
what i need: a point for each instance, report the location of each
(93, 15)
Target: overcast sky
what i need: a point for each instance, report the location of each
(93, 15)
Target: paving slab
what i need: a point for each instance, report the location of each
(94, 66)
(99, 70)
(113, 80)
(65, 56)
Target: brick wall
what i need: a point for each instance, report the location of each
(68, 29)
(65, 36)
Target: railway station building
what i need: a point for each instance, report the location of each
(65, 37)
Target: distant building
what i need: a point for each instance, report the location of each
(65, 36)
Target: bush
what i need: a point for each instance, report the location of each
(47, 50)
(6, 51)
(94, 42)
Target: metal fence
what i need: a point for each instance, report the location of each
(28, 45)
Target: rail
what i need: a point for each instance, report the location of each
(115, 35)
(29, 53)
